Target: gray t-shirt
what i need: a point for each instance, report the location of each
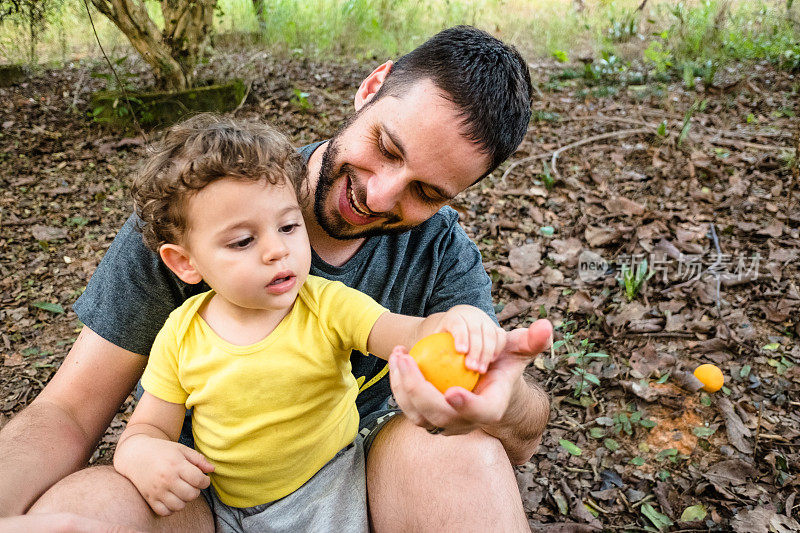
(425, 270)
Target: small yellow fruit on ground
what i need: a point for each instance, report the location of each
(441, 364)
(710, 376)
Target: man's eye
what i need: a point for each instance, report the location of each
(427, 195)
(241, 243)
(385, 152)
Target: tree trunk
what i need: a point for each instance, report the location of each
(32, 33)
(187, 28)
(258, 5)
(173, 53)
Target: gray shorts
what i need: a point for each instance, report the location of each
(335, 499)
(371, 424)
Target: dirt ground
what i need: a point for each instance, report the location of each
(708, 199)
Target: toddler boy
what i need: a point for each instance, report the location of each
(262, 359)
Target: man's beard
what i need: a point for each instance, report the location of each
(333, 223)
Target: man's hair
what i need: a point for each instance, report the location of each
(199, 151)
(486, 79)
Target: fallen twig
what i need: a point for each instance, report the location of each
(77, 90)
(609, 135)
(244, 98)
(719, 139)
(758, 429)
(795, 169)
(518, 162)
(576, 508)
(713, 267)
(745, 144)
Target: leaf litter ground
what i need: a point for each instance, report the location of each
(708, 199)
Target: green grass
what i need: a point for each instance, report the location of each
(696, 39)
(682, 39)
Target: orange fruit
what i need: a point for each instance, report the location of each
(441, 364)
(710, 376)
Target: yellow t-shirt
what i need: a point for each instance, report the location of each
(270, 415)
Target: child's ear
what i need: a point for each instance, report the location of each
(177, 259)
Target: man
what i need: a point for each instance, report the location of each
(425, 129)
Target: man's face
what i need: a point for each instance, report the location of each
(395, 164)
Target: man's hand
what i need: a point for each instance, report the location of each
(460, 411)
(166, 473)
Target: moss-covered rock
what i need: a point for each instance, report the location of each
(11, 74)
(161, 108)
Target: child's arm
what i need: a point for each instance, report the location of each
(166, 473)
(475, 334)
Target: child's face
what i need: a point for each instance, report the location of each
(249, 243)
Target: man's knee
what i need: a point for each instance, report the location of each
(422, 482)
(404, 442)
(103, 494)
(484, 451)
(86, 490)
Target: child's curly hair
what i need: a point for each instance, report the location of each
(199, 151)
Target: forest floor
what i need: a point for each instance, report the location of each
(708, 199)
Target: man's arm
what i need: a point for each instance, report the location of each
(56, 434)
(520, 431)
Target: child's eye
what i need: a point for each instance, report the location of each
(241, 243)
(289, 228)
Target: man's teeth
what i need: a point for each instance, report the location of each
(357, 207)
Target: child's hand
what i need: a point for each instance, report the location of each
(166, 473)
(475, 334)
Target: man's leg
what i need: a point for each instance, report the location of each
(103, 494)
(422, 482)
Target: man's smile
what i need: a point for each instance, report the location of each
(351, 209)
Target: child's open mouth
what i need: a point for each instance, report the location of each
(282, 283)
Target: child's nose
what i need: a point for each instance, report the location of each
(275, 250)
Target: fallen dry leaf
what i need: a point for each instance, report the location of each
(647, 362)
(48, 233)
(525, 259)
(13, 359)
(599, 236)
(624, 206)
(737, 431)
(566, 251)
(763, 520)
(775, 229)
(627, 312)
(646, 393)
(581, 302)
(512, 309)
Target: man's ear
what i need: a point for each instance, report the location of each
(177, 259)
(369, 87)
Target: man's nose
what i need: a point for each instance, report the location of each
(274, 249)
(384, 190)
